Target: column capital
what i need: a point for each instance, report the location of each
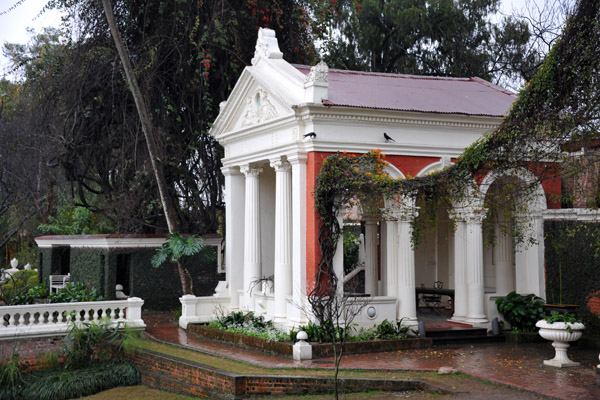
(280, 165)
(297, 158)
(469, 215)
(249, 171)
(406, 214)
(230, 170)
(401, 208)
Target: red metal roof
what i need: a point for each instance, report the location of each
(470, 96)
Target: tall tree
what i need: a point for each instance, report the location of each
(425, 37)
(186, 57)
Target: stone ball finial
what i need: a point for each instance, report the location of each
(303, 336)
(119, 287)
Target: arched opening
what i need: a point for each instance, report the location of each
(498, 229)
(517, 194)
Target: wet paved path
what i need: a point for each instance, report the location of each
(516, 366)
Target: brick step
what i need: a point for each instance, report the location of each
(455, 332)
(449, 340)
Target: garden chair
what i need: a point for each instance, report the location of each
(58, 282)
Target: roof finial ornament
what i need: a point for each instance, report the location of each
(266, 45)
(319, 73)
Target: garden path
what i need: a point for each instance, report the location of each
(517, 366)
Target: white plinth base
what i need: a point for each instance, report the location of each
(561, 359)
(560, 364)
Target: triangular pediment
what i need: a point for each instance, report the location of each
(252, 102)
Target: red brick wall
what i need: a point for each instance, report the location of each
(31, 351)
(594, 303)
(180, 376)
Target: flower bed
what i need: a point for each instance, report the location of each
(319, 350)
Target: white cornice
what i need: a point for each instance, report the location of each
(265, 155)
(109, 243)
(389, 149)
(392, 117)
(573, 214)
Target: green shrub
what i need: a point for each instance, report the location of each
(251, 325)
(17, 285)
(10, 375)
(388, 330)
(88, 342)
(521, 311)
(351, 252)
(322, 334)
(75, 292)
(37, 292)
(64, 384)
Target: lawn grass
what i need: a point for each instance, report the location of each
(242, 368)
(137, 392)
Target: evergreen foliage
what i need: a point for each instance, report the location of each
(62, 384)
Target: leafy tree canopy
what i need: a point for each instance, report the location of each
(427, 37)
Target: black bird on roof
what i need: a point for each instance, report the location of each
(387, 138)
(311, 135)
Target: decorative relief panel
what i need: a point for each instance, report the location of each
(258, 109)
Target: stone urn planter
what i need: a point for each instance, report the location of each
(558, 333)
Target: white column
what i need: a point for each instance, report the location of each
(460, 268)
(503, 260)
(529, 258)
(283, 237)
(405, 256)
(371, 246)
(234, 232)
(296, 313)
(475, 286)
(252, 255)
(391, 265)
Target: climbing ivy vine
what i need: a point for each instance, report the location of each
(557, 111)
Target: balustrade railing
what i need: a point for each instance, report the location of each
(49, 319)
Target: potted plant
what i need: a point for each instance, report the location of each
(561, 328)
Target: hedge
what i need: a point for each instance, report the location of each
(577, 246)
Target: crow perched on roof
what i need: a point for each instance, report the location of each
(311, 135)
(387, 138)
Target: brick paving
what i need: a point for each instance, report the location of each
(517, 366)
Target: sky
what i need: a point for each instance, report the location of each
(14, 24)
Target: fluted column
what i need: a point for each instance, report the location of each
(252, 255)
(475, 285)
(503, 260)
(371, 264)
(405, 213)
(391, 267)
(295, 313)
(283, 236)
(234, 233)
(460, 267)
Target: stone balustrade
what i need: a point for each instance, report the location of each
(38, 320)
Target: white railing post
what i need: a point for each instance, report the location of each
(134, 312)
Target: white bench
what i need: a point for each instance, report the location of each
(58, 282)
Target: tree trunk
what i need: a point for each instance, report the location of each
(148, 130)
